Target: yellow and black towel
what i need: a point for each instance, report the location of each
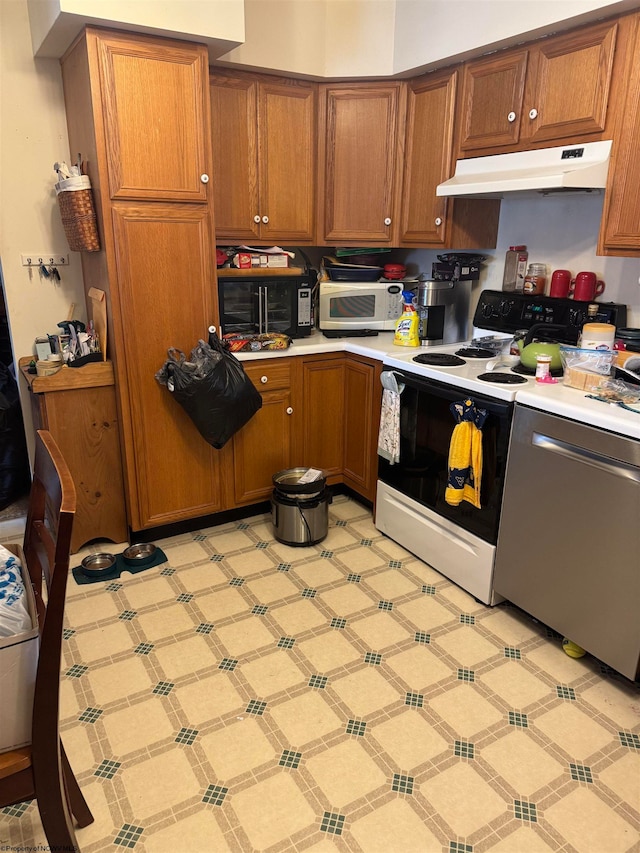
(465, 454)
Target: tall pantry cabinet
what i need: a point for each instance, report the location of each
(138, 113)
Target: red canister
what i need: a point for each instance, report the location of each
(394, 271)
(560, 284)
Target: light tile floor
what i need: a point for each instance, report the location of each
(248, 696)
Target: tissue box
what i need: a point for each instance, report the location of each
(18, 665)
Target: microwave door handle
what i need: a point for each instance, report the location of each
(260, 318)
(266, 309)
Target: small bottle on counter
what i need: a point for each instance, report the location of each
(535, 280)
(515, 267)
(543, 367)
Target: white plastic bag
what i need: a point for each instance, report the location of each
(14, 616)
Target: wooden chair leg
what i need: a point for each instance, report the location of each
(55, 816)
(79, 808)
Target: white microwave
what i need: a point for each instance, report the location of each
(359, 305)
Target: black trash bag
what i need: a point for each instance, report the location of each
(15, 474)
(212, 388)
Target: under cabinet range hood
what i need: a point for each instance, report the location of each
(546, 170)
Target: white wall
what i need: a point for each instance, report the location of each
(33, 135)
(560, 231)
(427, 32)
(55, 23)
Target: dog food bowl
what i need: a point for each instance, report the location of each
(140, 554)
(96, 565)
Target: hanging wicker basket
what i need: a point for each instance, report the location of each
(75, 200)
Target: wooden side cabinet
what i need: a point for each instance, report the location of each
(363, 396)
(78, 407)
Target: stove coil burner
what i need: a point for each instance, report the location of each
(502, 378)
(475, 352)
(531, 371)
(439, 359)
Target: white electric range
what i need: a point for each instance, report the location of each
(460, 541)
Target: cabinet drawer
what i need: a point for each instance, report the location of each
(269, 376)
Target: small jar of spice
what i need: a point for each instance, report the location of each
(535, 279)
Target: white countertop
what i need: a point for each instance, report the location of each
(555, 399)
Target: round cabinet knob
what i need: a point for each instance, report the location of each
(264, 380)
(204, 179)
(533, 113)
(438, 220)
(387, 220)
(289, 410)
(265, 219)
(256, 218)
(511, 117)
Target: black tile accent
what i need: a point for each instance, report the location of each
(257, 707)
(428, 589)
(460, 847)
(466, 619)
(519, 720)
(465, 674)
(185, 597)
(422, 637)
(236, 581)
(333, 823)
(353, 578)
(186, 736)
(163, 688)
(289, 758)
(525, 811)
(214, 795)
(128, 836)
(565, 692)
(629, 739)
(464, 749)
(512, 654)
(286, 642)
(284, 567)
(373, 658)
(107, 769)
(143, 648)
(90, 715)
(308, 593)
(128, 615)
(414, 700)
(356, 727)
(228, 663)
(385, 605)
(319, 681)
(76, 671)
(395, 564)
(580, 773)
(402, 784)
(205, 628)
(338, 623)
(259, 609)
(16, 810)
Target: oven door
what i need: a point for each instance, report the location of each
(426, 427)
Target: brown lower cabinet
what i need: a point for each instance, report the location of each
(318, 411)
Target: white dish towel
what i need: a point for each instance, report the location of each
(389, 434)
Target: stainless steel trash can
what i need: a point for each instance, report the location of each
(300, 506)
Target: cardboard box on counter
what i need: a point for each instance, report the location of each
(245, 260)
(18, 666)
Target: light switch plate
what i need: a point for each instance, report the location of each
(51, 259)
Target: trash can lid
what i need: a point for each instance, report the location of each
(299, 481)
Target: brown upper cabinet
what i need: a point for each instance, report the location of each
(154, 145)
(427, 219)
(358, 152)
(264, 150)
(555, 91)
(620, 229)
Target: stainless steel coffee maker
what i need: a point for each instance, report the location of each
(443, 309)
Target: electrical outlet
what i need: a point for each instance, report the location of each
(50, 259)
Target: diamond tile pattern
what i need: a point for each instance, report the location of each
(248, 696)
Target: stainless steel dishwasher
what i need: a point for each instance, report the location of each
(568, 547)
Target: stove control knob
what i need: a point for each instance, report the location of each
(505, 307)
(487, 310)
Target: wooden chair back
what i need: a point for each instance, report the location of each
(42, 770)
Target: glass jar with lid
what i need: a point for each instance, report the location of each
(535, 280)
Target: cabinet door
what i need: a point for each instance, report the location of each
(234, 133)
(493, 92)
(154, 105)
(323, 413)
(287, 161)
(363, 393)
(265, 445)
(358, 144)
(620, 231)
(428, 156)
(164, 298)
(568, 85)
